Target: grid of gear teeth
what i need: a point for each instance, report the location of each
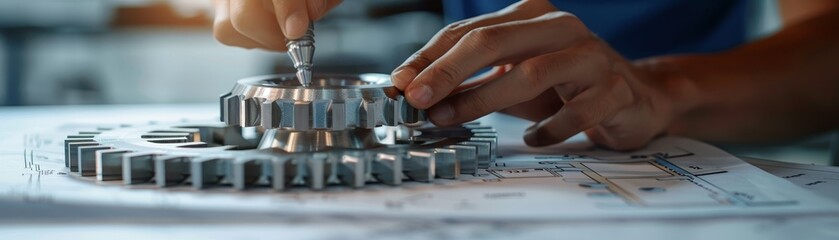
(237, 110)
(170, 156)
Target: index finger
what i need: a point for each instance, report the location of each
(494, 45)
(451, 34)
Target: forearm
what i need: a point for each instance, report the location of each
(781, 87)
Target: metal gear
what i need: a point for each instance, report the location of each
(332, 102)
(204, 155)
(277, 133)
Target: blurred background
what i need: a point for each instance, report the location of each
(70, 52)
(57, 52)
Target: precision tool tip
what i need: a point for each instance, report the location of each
(304, 76)
(301, 51)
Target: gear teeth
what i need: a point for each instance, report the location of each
(301, 119)
(320, 113)
(368, 108)
(72, 158)
(332, 169)
(447, 165)
(69, 155)
(109, 164)
(171, 170)
(380, 111)
(367, 114)
(485, 134)
(159, 159)
(337, 116)
(392, 110)
(223, 107)
(281, 171)
(251, 111)
(231, 110)
(467, 156)
(398, 111)
(87, 159)
(270, 115)
(286, 113)
(409, 115)
(138, 167)
(316, 166)
(484, 152)
(387, 168)
(353, 170)
(246, 172)
(420, 166)
(207, 170)
(492, 152)
(353, 114)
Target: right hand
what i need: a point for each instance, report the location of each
(550, 69)
(266, 24)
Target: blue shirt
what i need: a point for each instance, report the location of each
(642, 28)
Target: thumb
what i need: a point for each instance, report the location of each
(293, 17)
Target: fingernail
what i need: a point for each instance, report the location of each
(295, 25)
(420, 95)
(442, 113)
(402, 77)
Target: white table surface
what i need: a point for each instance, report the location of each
(22, 220)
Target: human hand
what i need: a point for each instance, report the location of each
(548, 68)
(266, 24)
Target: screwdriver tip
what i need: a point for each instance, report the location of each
(305, 77)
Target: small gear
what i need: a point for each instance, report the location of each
(332, 102)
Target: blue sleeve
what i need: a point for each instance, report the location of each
(642, 28)
(455, 10)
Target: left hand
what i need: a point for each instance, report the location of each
(548, 67)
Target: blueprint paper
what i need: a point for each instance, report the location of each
(823, 180)
(672, 178)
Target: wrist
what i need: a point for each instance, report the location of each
(670, 79)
